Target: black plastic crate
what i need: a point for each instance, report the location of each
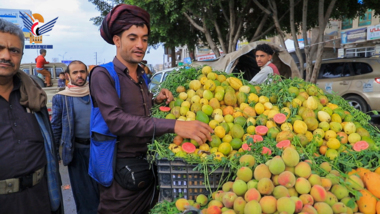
(178, 177)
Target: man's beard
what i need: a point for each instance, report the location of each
(74, 83)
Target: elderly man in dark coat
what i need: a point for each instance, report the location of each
(29, 175)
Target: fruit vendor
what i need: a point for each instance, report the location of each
(264, 55)
(29, 176)
(128, 117)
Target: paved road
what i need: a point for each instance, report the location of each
(68, 199)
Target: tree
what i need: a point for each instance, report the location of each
(167, 28)
(326, 10)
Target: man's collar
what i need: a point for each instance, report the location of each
(266, 64)
(16, 83)
(124, 68)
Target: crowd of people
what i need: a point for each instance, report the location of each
(102, 125)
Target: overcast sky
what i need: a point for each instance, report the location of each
(74, 36)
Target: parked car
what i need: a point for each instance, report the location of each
(54, 69)
(244, 61)
(355, 79)
(157, 78)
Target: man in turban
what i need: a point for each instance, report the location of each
(129, 116)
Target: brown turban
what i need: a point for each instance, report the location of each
(121, 18)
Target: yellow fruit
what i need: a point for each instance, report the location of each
(243, 106)
(270, 124)
(225, 148)
(228, 118)
(259, 108)
(333, 143)
(311, 103)
(218, 155)
(183, 96)
(251, 129)
(296, 103)
(319, 132)
(195, 84)
(185, 104)
(331, 153)
(332, 106)
(203, 101)
(211, 76)
(286, 111)
(268, 106)
(227, 138)
(181, 118)
(330, 134)
(219, 118)
(300, 127)
(246, 89)
(263, 99)
(286, 127)
(204, 147)
(266, 112)
(221, 78)
(206, 70)
(336, 118)
(253, 98)
(234, 82)
(181, 204)
(190, 114)
(276, 108)
(209, 85)
(207, 109)
(324, 116)
(213, 150)
(219, 131)
(309, 136)
(349, 128)
(217, 111)
(213, 124)
(353, 138)
(237, 114)
(203, 80)
(251, 120)
(272, 113)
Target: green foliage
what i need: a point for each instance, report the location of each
(165, 207)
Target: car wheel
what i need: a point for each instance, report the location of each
(357, 102)
(38, 80)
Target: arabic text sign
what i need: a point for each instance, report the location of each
(354, 35)
(38, 46)
(373, 32)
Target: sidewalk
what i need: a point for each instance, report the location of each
(68, 199)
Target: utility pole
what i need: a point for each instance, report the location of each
(96, 58)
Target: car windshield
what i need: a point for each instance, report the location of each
(157, 78)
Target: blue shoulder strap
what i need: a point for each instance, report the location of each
(111, 70)
(102, 152)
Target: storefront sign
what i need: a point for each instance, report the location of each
(206, 57)
(373, 32)
(356, 35)
(340, 53)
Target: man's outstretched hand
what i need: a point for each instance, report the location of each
(196, 130)
(164, 94)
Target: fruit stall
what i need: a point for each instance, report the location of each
(283, 146)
